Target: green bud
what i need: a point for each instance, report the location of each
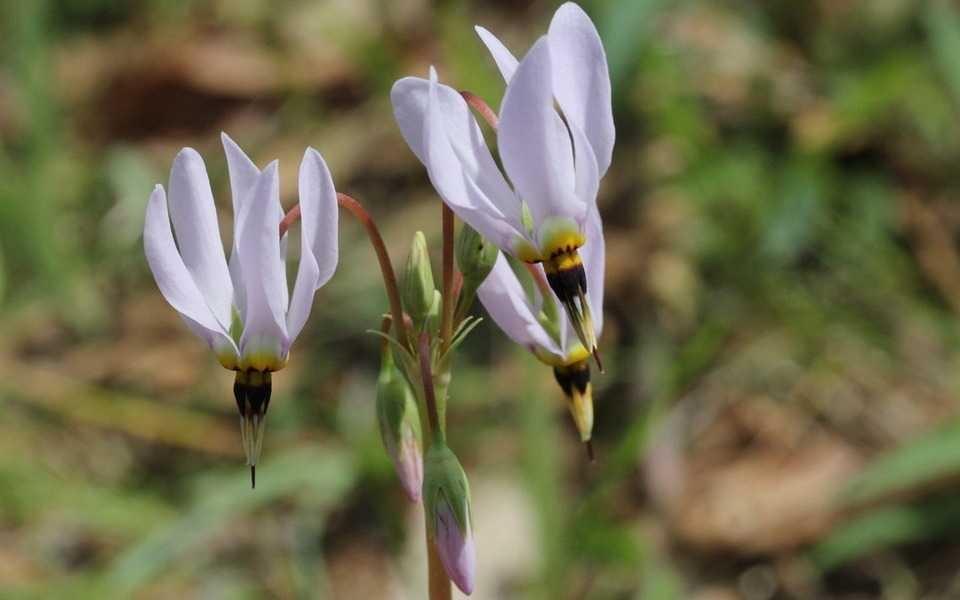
(433, 315)
(399, 422)
(416, 288)
(446, 497)
(475, 255)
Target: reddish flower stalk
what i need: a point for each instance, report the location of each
(386, 267)
(446, 322)
(289, 219)
(482, 108)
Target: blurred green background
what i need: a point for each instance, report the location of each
(779, 414)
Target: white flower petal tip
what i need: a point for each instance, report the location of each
(506, 62)
(456, 549)
(319, 238)
(583, 91)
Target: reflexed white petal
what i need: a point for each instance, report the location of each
(264, 318)
(585, 170)
(502, 295)
(594, 262)
(464, 150)
(194, 218)
(318, 238)
(243, 176)
(534, 142)
(243, 173)
(505, 60)
(581, 81)
(174, 280)
(437, 125)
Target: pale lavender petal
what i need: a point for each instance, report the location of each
(243, 174)
(504, 299)
(455, 547)
(593, 254)
(506, 61)
(534, 142)
(264, 338)
(581, 81)
(174, 280)
(409, 464)
(243, 177)
(440, 129)
(194, 218)
(586, 170)
(318, 238)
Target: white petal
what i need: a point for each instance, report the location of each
(438, 126)
(174, 280)
(581, 81)
(318, 238)
(534, 142)
(262, 267)
(593, 253)
(194, 218)
(243, 176)
(502, 295)
(586, 170)
(243, 173)
(505, 60)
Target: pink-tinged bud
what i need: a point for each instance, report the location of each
(399, 421)
(409, 463)
(446, 497)
(455, 547)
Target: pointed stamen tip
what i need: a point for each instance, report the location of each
(253, 477)
(590, 455)
(596, 358)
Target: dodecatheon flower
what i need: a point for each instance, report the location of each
(555, 138)
(533, 321)
(242, 308)
(446, 498)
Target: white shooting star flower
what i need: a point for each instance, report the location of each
(535, 322)
(555, 139)
(242, 309)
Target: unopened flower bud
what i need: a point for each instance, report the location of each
(475, 255)
(416, 287)
(433, 315)
(399, 422)
(446, 497)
